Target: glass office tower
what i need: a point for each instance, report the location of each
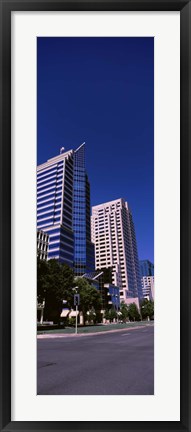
(63, 209)
(146, 268)
(83, 248)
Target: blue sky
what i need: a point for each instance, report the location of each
(101, 91)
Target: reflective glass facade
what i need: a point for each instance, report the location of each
(83, 248)
(146, 268)
(79, 211)
(114, 295)
(63, 209)
(54, 205)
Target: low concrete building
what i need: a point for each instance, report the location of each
(109, 292)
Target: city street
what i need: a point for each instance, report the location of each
(113, 363)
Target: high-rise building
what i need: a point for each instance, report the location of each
(146, 268)
(63, 209)
(147, 278)
(148, 287)
(113, 234)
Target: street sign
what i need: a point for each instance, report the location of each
(76, 299)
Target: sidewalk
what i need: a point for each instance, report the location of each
(87, 331)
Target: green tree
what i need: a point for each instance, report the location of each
(98, 317)
(147, 309)
(90, 298)
(107, 315)
(54, 283)
(42, 284)
(107, 274)
(113, 314)
(133, 312)
(91, 317)
(110, 314)
(124, 312)
(72, 321)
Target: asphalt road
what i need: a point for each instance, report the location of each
(119, 363)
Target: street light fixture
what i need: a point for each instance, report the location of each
(75, 288)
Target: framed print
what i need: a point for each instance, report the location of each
(95, 215)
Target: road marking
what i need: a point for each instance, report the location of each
(125, 335)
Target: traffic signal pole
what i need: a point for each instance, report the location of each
(76, 318)
(76, 303)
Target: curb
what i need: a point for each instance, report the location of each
(58, 335)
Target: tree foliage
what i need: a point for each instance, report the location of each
(133, 312)
(110, 314)
(42, 286)
(107, 274)
(147, 308)
(90, 298)
(54, 283)
(129, 312)
(124, 312)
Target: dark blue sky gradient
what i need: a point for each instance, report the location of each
(101, 91)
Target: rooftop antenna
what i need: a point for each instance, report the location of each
(81, 145)
(62, 150)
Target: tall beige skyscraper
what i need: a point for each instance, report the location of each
(113, 233)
